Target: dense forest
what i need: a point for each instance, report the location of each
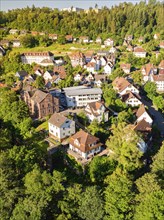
(140, 19)
(127, 185)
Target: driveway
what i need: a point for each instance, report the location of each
(158, 117)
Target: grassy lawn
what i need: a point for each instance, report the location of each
(43, 126)
(61, 49)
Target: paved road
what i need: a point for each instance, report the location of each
(158, 116)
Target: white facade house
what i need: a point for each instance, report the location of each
(96, 110)
(142, 114)
(109, 42)
(131, 99)
(122, 86)
(159, 81)
(47, 75)
(36, 57)
(108, 68)
(147, 70)
(84, 144)
(78, 77)
(16, 43)
(139, 52)
(79, 96)
(60, 127)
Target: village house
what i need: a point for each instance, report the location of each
(91, 67)
(84, 39)
(103, 61)
(108, 68)
(109, 42)
(139, 52)
(2, 51)
(125, 67)
(147, 70)
(98, 40)
(36, 57)
(122, 86)
(100, 79)
(61, 71)
(131, 99)
(80, 96)
(48, 75)
(41, 103)
(98, 111)
(89, 78)
(16, 43)
(143, 114)
(112, 50)
(21, 74)
(13, 31)
(144, 129)
(84, 144)
(88, 56)
(69, 38)
(78, 77)
(60, 127)
(159, 81)
(53, 36)
(77, 59)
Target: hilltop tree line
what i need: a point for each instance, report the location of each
(140, 19)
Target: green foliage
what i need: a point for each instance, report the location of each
(100, 167)
(123, 143)
(150, 88)
(39, 82)
(118, 197)
(151, 207)
(158, 102)
(109, 95)
(29, 41)
(137, 77)
(90, 204)
(158, 163)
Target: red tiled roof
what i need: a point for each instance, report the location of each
(120, 83)
(85, 140)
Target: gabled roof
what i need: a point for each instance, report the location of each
(147, 67)
(129, 95)
(141, 111)
(39, 96)
(58, 119)
(85, 140)
(125, 65)
(61, 71)
(22, 73)
(120, 83)
(101, 77)
(77, 55)
(90, 64)
(139, 50)
(158, 78)
(142, 126)
(95, 105)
